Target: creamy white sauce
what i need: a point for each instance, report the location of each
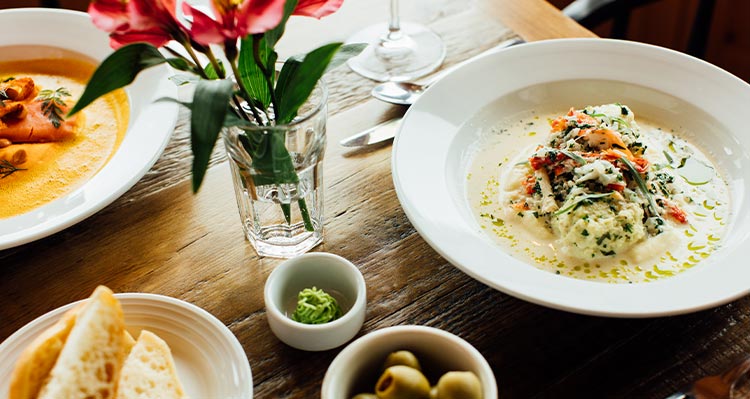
(705, 199)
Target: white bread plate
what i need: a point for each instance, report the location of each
(150, 127)
(210, 361)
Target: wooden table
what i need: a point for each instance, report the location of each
(160, 238)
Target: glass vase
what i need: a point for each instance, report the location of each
(278, 179)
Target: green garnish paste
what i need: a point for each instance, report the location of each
(315, 306)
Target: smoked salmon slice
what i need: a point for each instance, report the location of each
(25, 118)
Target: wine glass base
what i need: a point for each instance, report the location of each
(413, 53)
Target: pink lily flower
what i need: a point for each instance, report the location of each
(130, 21)
(317, 8)
(234, 19)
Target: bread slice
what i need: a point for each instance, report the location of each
(128, 343)
(37, 359)
(89, 364)
(149, 371)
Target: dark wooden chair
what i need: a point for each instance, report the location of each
(591, 13)
(51, 3)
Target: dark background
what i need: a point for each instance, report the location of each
(668, 23)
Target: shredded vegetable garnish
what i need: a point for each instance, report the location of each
(315, 306)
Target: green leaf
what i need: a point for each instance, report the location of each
(233, 120)
(209, 109)
(271, 160)
(118, 70)
(290, 68)
(345, 52)
(180, 64)
(300, 80)
(181, 80)
(211, 71)
(272, 36)
(251, 75)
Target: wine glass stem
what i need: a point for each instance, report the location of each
(394, 24)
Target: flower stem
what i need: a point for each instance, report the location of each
(287, 210)
(194, 56)
(305, 214)
(266, 72)
(244, 91)
(222, 75)
(215, 63)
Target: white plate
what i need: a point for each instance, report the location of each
(433, 149)
(150, 127)
(209, 360)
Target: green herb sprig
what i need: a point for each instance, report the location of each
(315, 306)
(7, 169)
(572, 205)
(51, 103)
(642, 186)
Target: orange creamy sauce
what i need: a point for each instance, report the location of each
(55, 169)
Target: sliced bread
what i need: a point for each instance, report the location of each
(149, 371)
(37, 359)
(89, 364)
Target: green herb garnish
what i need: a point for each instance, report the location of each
(7, 169)
(571, 205)
(315, 306)
(642, 185)
(51, 103)
(574, 156)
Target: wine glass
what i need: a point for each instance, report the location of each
(397, 52)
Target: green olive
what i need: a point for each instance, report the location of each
(402, 382)
(365, 396)
(459, 385)
(402, 358)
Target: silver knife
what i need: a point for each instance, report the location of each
(384, 131)
(387, 130)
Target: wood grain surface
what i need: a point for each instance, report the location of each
(161, 238)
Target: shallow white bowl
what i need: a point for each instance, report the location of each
(209, 360)
(151, 124)
(356, 369)
(434, 148)
(331, 273)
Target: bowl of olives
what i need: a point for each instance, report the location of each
(409, 362)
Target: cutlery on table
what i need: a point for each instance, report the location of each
(732, 384)
(376, 134)
(406, 93)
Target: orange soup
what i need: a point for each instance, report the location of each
(50, 169)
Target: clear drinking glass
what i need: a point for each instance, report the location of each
(397, 52)
(281, 217)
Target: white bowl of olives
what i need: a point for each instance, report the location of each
(409, 362)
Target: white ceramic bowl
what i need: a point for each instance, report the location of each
(440, 132)
(150, 127)
(331, 273)
(356, 369)
(209, 360)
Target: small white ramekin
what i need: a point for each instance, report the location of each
(328, 272)
(356, 368)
